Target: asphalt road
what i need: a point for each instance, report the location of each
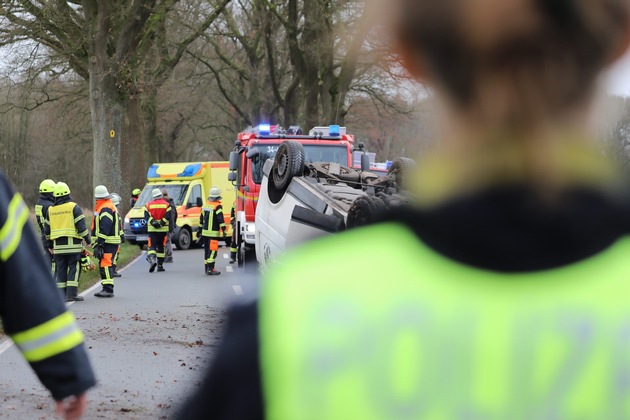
(149, 344)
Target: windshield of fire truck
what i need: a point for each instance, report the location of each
(175, 191)
(314, 153)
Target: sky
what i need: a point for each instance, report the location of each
(618, 78)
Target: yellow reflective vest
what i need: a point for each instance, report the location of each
(406, 333)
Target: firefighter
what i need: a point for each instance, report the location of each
(134, 196)
(233, 243)
(46, 199)
(168, 253)
(116, 200)
(211, 221)
(34, 316)
(106, 238)
(157, 214)
(505, 294)
(66, 231)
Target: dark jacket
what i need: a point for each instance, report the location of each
(173, 221)
(29, 298)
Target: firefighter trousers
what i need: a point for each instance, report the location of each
(106, 266)
(68, 270)
(210, 248)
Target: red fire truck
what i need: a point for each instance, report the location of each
(257, 144)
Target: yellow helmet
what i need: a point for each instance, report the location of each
(47, 186)
(136, 191)
(61, 189)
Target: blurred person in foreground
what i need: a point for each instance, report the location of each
(506, 293)
(33, 313)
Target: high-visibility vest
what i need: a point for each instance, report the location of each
(157, 211)
(406, 333)
(211, 209)
(62, 221)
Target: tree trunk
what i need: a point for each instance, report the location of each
(107, 127)
(132, 151)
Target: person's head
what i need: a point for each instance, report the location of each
(136, 192)
(61, 190)
(156, 193)
(47, 186)
(101, 193)
(215, 194)
(165, 193)
(115, 199)
(512, 63)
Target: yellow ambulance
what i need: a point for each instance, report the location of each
(188, 184)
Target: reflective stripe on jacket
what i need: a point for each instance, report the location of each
(404, 332)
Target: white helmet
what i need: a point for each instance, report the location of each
(215, 193)
(100, 192)
(156, 193)
(115, 199)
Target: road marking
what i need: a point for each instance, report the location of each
(229, 269)
(6, 345)
(238, 290)
(226, 256)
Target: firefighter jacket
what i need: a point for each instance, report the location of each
(41, 210)
(211, 219)
(65, 228)
(157, 213)
(173, 220)
(233, 216)
(106, 223)
(33, 313)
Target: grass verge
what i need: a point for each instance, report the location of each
(128, 253)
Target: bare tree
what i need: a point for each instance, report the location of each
(108, 43)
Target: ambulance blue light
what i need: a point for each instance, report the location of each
(152, 172)
(191, 170)
(334, 130)
(264, 129)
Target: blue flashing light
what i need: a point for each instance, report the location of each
(152, 172)
(388, 164)
(191, 170)
(334, 130)
(264, 129)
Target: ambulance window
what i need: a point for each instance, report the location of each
(194, 194)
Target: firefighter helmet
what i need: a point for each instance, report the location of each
(215, 193)
(136, 192)
(61, 189)
(115, 199)
(47, 186)
(156, 193)
(100, 192)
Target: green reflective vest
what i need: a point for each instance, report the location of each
(402, 332)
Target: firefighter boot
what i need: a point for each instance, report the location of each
(232, 257)
(115, 272)
(106, 292)
(160, 266)
(211, 271)
(71, 295)
(153, 261)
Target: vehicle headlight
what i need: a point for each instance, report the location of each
(127, 220)
(250, 227)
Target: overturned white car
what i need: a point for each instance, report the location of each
(300, 201)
